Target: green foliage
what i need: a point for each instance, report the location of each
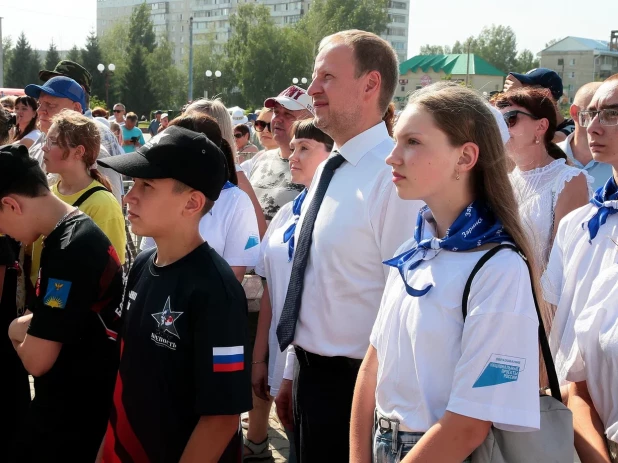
(436, 50)
(94, 102)
(52, 57)
(91, 57)
(206, 58)
(141, 32)
(73, 54)
(23, 66)
(113, 49)
(137, 89)
(525, 62)
(168, 83)
(7, 52)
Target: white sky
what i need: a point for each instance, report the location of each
(68, 22)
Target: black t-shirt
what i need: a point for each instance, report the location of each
(79, 292)
(566, 127)
(184, 355)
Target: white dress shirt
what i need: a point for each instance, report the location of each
(599, 171)
(361, 223)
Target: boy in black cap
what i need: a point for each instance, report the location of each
(184, 377)
(68, 341)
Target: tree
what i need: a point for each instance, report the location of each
(73, 54)
(7, 51)
(35, 66)
(52, 57)
(326, 17)
(20, 70)
(168, 83)
(552, 42)
(141, 31)
(137, 90)
(114, 50)
(91, 57)
(526, 61)
(458, 48)
(498, 46)
(432, 50)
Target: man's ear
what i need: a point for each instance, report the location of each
(8, 202)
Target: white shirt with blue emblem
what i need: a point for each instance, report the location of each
(230, 228)
(430, 361)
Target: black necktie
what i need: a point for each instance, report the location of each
(291, 308)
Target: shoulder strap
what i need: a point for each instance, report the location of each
(547, 358)
(87, 195)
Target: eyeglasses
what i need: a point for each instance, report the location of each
(510, 117)
(118, 110)
(49, 142)
(261, 125)
(47, 106)
(238, 135)
(606, 117)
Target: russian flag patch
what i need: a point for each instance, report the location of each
(228, 359)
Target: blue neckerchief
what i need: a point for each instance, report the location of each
(606, 200)
(288, 235)
(228, 185)
(475, 226)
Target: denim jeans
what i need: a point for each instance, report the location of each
(388, 448)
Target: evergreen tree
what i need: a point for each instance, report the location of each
(34, 68)
(7, 51)
(19, 70)
(137, 88)
(141, 32)
(53, 57)
(73, 54)
(91, 57)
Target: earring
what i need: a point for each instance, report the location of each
(536, 140)
(457, 177)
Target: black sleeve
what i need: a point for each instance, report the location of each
(222, 365)
(7, 256)
(66, 295)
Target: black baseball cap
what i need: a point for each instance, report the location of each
(14, 164)
(543, 77)
(180, 154)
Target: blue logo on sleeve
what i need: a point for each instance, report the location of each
(252, 242)
(57, 293)
(500, 369)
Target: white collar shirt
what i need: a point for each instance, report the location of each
(596, 331)
(361, 222)
(574, 263)
(430, 361)
(599, 171)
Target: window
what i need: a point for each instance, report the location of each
(399, 46)
(572, 75)
(403, 88)
(560, 62)
(397, 18)
(572, 63)
(397, 5)
(418, 87)
(396, 31)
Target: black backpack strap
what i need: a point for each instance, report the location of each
(87, 195)
(545, 350)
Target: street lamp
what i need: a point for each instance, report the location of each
(303, 80)
(108, 73)
(209, 75)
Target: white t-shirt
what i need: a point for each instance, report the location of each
(230, 228)
(596, 347)
(430, 361)
(574, 263)
(33, 135)
(274, 265)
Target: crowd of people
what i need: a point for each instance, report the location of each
(431, 279)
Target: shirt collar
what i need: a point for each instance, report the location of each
(354, 149)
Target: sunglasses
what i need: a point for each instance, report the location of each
(238, 135)
(510, 117)
(261, 125)
(117, 110)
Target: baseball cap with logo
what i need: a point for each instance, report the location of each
(69, 69)
(61, 87)
(178, 153)
(293, 98)
(543, 77)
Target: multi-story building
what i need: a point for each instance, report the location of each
(211, 19)
(579, 61)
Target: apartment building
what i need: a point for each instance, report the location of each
(579, 60)
(211, 18)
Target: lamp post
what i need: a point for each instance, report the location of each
(209, 75)
(107, 73)
(303, 81)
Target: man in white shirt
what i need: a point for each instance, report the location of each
(360, 222)
(118, 115)
(585, 242)
(576, 144)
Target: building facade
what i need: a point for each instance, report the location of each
(211, 19)
(423, 70)
(578, 61)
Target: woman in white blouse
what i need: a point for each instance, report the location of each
(433, 383)
(593, 394)
(546, 187)
(310, 146)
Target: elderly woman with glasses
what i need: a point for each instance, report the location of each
(545, 186)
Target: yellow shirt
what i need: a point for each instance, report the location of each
(103, 208)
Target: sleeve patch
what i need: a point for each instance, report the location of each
(252, 242)
(228, 359)
(500, 369)
(57, 293)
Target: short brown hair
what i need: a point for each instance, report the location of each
(372, 53)
(132, 116)
(99, 112)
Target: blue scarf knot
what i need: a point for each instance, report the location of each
(606, 200)
(288, 235)
(475, 226)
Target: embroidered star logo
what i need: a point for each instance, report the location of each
(166, 319)
(156, 139)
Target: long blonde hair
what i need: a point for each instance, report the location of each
(217, 110)
(464, 117)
